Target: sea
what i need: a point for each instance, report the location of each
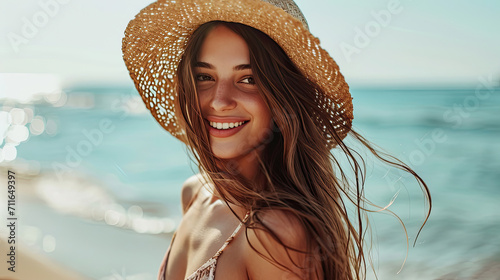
(102, 180)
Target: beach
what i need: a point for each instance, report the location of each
(31, 265)
(98, 188)
(25, 261)
(51, 244)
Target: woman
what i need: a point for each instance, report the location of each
(260, 105)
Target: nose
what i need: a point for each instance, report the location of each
(223, 96)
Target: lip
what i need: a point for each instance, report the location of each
(223, 133)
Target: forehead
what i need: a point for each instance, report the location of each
(222, 45)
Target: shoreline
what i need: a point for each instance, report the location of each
(60, 238)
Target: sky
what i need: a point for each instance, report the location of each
(376, 43)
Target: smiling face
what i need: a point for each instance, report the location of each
(235, 114)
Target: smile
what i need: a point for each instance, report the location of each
(225, 129)
(219, 125)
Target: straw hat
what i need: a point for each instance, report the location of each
(156, 38)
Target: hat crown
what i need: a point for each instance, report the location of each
(291, 8)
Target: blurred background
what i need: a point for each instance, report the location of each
(98, 180)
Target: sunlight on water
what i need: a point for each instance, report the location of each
(28, 87)
(16, 125)
(130, 180)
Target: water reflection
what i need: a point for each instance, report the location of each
(88, 200)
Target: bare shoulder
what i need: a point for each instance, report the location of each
(289, 255)
(287, 227)
(190, 189)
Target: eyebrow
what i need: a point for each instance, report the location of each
(210, 66)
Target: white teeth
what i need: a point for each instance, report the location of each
(225, 125)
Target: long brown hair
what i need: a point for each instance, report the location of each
(300, 173)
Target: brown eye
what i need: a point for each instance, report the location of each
(203, 78)
(248, 80)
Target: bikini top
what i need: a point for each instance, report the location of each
(207, 270)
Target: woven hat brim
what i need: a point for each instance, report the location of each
(155, 40)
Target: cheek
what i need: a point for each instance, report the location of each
(261, 113)
(203, 99)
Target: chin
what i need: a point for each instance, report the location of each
(226, 155)
(230, 153)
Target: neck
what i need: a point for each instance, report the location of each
(247, 165)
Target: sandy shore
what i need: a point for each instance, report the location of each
(30, 265)
(53, 244)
